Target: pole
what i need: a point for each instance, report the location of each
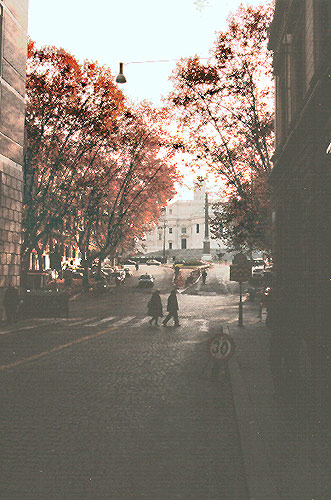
(164, 239)
(240, 317)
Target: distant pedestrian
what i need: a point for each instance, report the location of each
(136, 266)
(10, 303)
(172, 308)
(154, 308)
(204, 276)
(67, 277)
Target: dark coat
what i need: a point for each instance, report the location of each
(10, 298)
(172, 305)
(155, 306)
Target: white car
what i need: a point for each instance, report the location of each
(152, 262)
(258, 268)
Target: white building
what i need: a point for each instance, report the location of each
(181, 231)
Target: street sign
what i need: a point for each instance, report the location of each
(241, 269)
(240, 273)
(240, 259)
(221, 347)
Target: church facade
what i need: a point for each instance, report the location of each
(181, 230)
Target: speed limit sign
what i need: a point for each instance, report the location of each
(221, 347)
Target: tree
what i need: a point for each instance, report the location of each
(96, 171)
(226, 112)
(135, 181)
(72, 111)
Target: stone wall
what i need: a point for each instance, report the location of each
(13, 45)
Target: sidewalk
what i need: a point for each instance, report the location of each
(285, 458)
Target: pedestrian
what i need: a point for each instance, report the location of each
(172, 308)
(10, 303)
(136, 266)
(154, 308)
(67, 277)
(204, 276)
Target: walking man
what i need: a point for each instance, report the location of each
(204, 276)
(10, 303)
(172, 308)
(154, 307)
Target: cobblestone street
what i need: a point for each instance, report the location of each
(119, 410)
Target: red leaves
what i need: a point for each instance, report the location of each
(92, 164)
(226, 111)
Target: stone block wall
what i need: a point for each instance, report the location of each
(13, 48)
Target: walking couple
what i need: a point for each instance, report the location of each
(154, 308)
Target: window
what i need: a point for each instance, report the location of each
(170, 230)
(184, 230)
(160, 236)
(198, 228)
(170, 211)
(170, 245)
(184, 244)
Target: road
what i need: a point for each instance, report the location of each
(106, 407)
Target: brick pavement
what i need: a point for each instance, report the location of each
(286, 457)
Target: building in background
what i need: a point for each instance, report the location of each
(13, 47)
(180, 233)
(300, 37)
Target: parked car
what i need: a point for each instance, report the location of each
(146, 280)
(128, 272)
(258, 268)
(119, 276)
(152, 262)
(128, 261)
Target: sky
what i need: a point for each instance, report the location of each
(114, 31)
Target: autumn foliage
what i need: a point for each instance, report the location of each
(226, 114)
(96, 170)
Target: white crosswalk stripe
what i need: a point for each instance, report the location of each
(101, 321)
(141, 322)
(83, 321)
(123, 321)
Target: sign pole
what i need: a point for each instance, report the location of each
(240, 317)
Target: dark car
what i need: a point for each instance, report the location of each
(146, 280)
(128, 272)
(119, 276)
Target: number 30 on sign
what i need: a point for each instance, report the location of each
(221, 347)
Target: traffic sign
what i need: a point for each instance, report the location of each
(240, 259)
(221, 347)
(240, 273)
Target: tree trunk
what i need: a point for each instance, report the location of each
(40, 258)
(25, 265)
(86, 271)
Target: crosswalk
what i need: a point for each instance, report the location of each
(135, 322)
(113, 321)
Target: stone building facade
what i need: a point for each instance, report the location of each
(181, 231)
(300, 36)
(13, 46)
